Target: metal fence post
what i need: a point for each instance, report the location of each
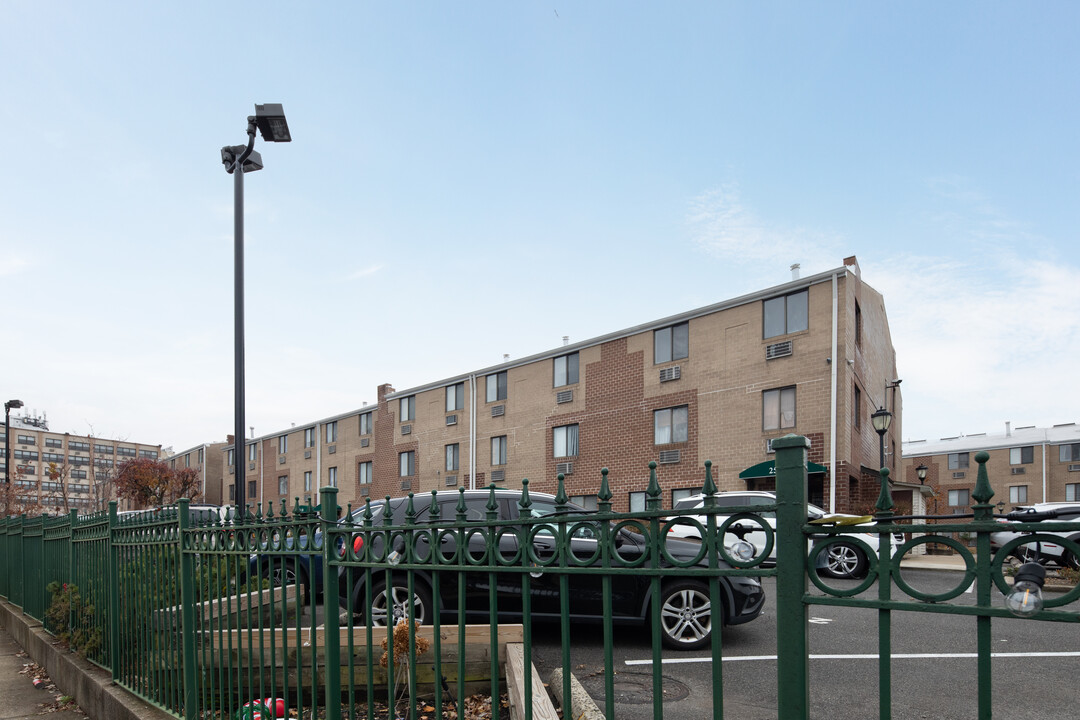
(332, 644)
(73, 520)
(187, 603)
(792, 634)
(113, 580)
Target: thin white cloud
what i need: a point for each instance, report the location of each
(365, 272)
(13, 265)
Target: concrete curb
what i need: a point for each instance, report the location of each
(92, 687)
(581, 703)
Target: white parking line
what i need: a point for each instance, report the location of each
(873, 656)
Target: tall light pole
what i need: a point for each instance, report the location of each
(8, 406)
(270, 121)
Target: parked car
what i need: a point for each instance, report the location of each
(686, 617)
(1042, 552)
(840, 560)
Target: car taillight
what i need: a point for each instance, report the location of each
(357, 544)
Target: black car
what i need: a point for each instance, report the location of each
(686, 614)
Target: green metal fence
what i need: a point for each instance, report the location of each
(201, 616)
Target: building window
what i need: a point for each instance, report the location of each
(283, 444)
(27, 440)
(958, 461)
(498, 450)
(671, 343)
(126, 452)
(364, 473)
(566, 440)
(253, 452)
(857, 402)
(1022, 455)
(670, 425)
(307, 481)
(1018, 494)
(637, 502)
(331, 477)
(103, 449)
(283, 485)
(407, 406)
(677, 495)
(858, 324)
(365, 423)
(1069, 453)
(309, 437)
(47, 457)
(85, 447)
(778, 409)
(78, 474)
(452, 453)
(588, 502)
(1072, 492)
(229, 457)
(252, 490)
(331, 432)
(786, 314)
(455, 397)
(187, 459)
(232, 493)
(566, 370)
(959, 498)
(496, 386)
(58, 443)
(407, 463)
(201, 456)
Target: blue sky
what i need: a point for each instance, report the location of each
(473, 179)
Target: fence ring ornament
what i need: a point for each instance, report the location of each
(871, 566)
(667, 527)
(441, 556)
(616, 556)
(501, 557)
(763, 554)
(1003, 554)
(572, 558)
(961, 587)
(479, 558)
(531, 531)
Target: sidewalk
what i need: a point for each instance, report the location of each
(20, 699)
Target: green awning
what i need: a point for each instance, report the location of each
(768, 469)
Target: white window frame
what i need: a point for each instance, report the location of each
(1017, 455)
(959, 461)
(776, 417)
(364, 473)
(667, 424)
(331, 476)
(567, 439)
(407, 409)
(455, 397)
(500, 450)
(331, 432)
(1018, 494)
(407, 464)
(959, 498)
(792, 323)
(283, 484)
(671, 343)
(309, 437)
(282, 444)
(497, 386)
(565, 370)
(453, 457)
(365, 423)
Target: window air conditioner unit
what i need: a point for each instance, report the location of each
(307, 454)
(1074, 467)
(958, 475)
(498, 475)
(668, 457)
(364, 442)
(498, 411)
(671, 373)
(1018, 471)
(566, 468)
(331, 449)
(365, 490)
(281, 460)
(406, 429)
(406, 484)
(451, 480)
(768, 445)
(251, 466)
(451, 419)
(778, 350)
(564, 396)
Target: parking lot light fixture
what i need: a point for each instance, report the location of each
(920, 472)
(269, 119)
(8, 407)
(882, 420)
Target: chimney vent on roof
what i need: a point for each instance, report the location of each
(1008, 429)
(565, 340)
(795, 271)
(506, 357)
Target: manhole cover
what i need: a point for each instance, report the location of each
(634, 688)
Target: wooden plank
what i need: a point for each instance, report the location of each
(542, 707)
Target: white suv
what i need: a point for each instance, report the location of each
(840, 560)
(1042, 552)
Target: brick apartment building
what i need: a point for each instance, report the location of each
(60, 471)
(208, 460)
(1027, 465)
(813, 357)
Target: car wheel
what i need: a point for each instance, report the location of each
(280, 572)
(686, 615)
(399, 603)
(844, 561)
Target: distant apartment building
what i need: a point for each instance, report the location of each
(208, 461)
(1027, 465)
(813, 357)
(61, 471)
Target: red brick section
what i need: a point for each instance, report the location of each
(615, 430)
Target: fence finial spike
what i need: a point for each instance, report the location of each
(884, 501)
(652, 493)
(604, 495)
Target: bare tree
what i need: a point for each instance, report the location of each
(17, 496)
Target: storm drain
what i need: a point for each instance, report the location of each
(633, 688)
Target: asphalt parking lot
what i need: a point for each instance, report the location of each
(934, 665)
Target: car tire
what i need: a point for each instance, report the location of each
(280, 572)
(844, 561)
(423, 607)
(686, 617)
(1069, 559)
